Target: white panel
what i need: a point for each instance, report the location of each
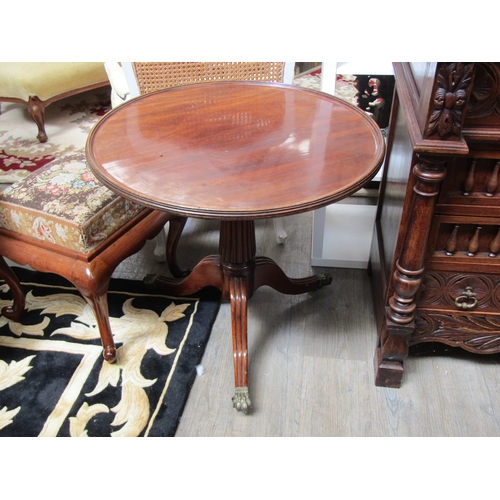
(131, 80)
(289, 72)
(348, 231)
(342, 233)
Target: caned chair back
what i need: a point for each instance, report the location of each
(152, 76)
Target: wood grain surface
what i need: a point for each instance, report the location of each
(235, 150)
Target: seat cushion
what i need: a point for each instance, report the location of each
(64, 204)
(20, 80)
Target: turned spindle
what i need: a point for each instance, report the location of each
(451, 243)
(474, 243)
(492, 183)
(495, 245)
(469, 181)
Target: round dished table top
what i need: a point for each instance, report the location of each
(235, 150)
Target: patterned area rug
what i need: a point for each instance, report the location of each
(346, 86)
(55, 382)
(67, 123)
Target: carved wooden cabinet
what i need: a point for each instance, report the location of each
(435, 256)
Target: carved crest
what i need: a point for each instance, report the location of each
(453, 87)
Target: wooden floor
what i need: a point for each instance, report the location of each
(311, 359)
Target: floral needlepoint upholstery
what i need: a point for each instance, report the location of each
(64, 204)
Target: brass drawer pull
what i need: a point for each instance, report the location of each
(467, 300)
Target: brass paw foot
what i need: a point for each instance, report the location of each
(324, 280)
(241, 400)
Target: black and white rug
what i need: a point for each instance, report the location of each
(55, 382)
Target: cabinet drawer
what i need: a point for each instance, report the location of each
(460, 292)
(461, 310)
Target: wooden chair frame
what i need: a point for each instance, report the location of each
(89, 273)
(36, 107)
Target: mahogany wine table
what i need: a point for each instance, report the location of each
(236, 152)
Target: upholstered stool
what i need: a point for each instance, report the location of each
(60, 219)
(41, 83)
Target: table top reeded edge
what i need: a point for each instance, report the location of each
(258, 176)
